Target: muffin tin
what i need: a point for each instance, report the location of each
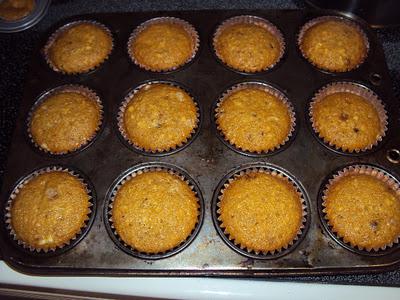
(206, 159)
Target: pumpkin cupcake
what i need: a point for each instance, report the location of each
(248, 44)
(362, 206)
(163, 44)
(158, 117)
(348, 117)
(333, 44)
(14, 10)
(78, 47)
(255, 117)
(48, 209)
(65, 119)
(154, 211)
(261, 211)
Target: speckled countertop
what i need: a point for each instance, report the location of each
(16, 49)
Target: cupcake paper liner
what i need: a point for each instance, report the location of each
(359, 90)
(137, 147)
(162, 20)
(360, 169)
(153, 168)
(17, 189)
(274, 172)
(315, 21)
(247, 19)
(270, 90)
(80, 89)
(63, 29)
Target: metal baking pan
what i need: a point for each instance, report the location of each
(207, 160)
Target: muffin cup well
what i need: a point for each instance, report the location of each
(372, 170)
(131, 173)
(80, 89)
(270, 90)
(78, 236)
(159, 152)
(63, 29)
(248, 19)
(317, 20)
(359, 90)
(162, 20)
(260, 167)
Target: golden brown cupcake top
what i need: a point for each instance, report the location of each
(80, 48)
(49, 210)
(162, 46)
(254, 120)
(14, 10)
(261, 211)
(155, 211)
(347, 121)
(65, 121)
(363, 210)
(334, 45)
(247, 47)
(160, 117)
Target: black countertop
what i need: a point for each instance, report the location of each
(16, 49)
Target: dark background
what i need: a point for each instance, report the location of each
(16, 49)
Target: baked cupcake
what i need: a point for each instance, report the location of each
(348, 117)
(163, 44)
(254, 117)
(154, 211)
(362, 206)
(48, 210)
(65, 119)
(261, 211)
(14, 10)
(248, 44)
(333, 44)
(78, 47)
(158, 117)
